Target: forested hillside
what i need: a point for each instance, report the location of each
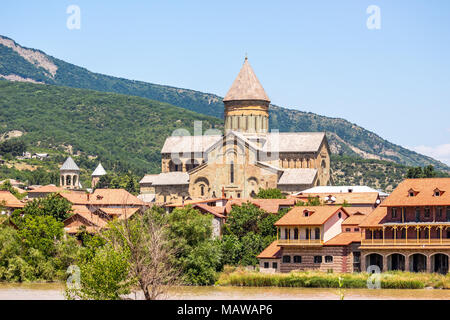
(23, 64)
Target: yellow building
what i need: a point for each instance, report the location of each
(244, 159)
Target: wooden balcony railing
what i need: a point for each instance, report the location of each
(405, 242)
(300, 242)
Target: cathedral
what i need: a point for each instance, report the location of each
(246, 158)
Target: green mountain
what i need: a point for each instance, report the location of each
(31, 65)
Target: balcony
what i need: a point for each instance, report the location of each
(423, 243)
(300, 242)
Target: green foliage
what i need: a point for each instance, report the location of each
(126, 181)
(6, 186)
(104, 277)
(419, 172)
(126, 132)
(270, 194)
(53, 205)
(312, 201)
(14, 147)
(40, 232)
(247, 232)
(197, 254)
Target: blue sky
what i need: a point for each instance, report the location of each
(316, 56)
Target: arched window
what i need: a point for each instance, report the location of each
(231, 172)
(202, 190)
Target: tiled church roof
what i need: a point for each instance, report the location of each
(246, 86)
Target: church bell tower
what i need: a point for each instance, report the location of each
(246, 103)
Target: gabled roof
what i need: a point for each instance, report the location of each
(355, 219)
(367, 198)
(69, 164)
(114, 197)
(51, 188)
(375, 218)
(246, 86)
(188, 144)
(99, 171)
(126, 212)
(424, 189)
(273, 251)
(298, 176)
(10, 201)
(293, 141)
(318, 215)
(344, 239)
(215, 211)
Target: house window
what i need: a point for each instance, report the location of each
(339, 214)
(286, 234)
(439, 212)
(275, 265)
(286, 259)
(448, 214)
(296, 233)
(317, 259)
(417, 214)
(427, 212)
(297, 259)
(347, 229)
(238, 195)
(266, 265)
(394, 213)
(437, 193)
(317, 233)
(307, 233)
(356, 229)
(328, 259)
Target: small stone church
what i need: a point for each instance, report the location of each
(246, 158)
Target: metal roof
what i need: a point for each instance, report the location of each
(70, 165)
(99, 171)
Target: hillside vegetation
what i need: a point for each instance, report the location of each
(345, 138)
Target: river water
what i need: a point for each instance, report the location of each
(54, 291)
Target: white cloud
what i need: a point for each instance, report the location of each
(439, 152)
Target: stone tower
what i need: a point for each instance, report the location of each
(246, 103)
(97, 174)
(69, 175)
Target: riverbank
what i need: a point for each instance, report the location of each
(314, 279)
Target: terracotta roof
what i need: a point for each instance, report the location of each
(88, 216)
(216, 211)
(339, 198)
(343, 239)
(114, 197)
(51, 188)
(69, 165)
(75, 197)
(355, 219)
(246, 86)
(425, 193)
(358, 209)
(126, 212)
(10, 200)
(318, 215)
(273, 251)
(374, 218)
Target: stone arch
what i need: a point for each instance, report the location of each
(439, 262)
(175, 165)
(417, 262)
(374, 259)
(201, 187)
(191, 164)
(68, 180)
(396, 261)
(75, 180)
(252, 186)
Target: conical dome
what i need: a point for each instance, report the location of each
(70, 165)
(99, 171)
(246, 86)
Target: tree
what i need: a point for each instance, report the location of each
(125, 181)
(270, 194)
(418, 172)
(312, 201)
(243, 219)
(197, 255)
(53, 205)
(150, 254)
(104, 277)
(14, 147)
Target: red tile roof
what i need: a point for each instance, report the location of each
(114, 197)
(273, 251)
(425, 193)
(47, 189)
(374, 218)
(354, 220)
(344, 239)
(349, 197)
(216, 211)
(318, 215)
(10, 201)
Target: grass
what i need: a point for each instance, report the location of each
(316, 279)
